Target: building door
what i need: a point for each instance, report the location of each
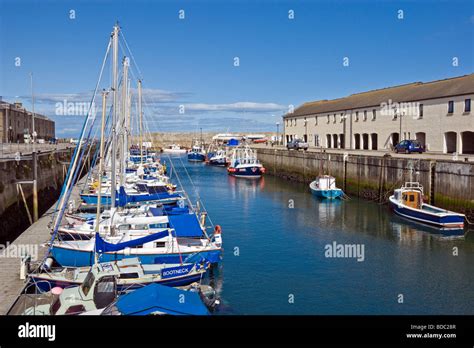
(374, 140)
(450, 142)
(421, 138)
(467, 141)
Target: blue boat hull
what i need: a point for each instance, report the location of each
(446, 221)
(79, 258)
(246, 172)
(328, 194)
(106, 199)
(196, 157)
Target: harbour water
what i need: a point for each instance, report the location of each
(275, 237)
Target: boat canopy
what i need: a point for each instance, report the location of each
(101, 246)
(185, 225)
(160, 298)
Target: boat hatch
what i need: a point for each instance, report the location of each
(105, 291)
(412, 199)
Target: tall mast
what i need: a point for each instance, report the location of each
(101, 156)
(124, 121)
(114, 115)
(140, 140)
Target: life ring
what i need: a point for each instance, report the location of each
(217, 229)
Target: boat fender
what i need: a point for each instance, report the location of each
(25, 266)
(47, 264)
(218, 236)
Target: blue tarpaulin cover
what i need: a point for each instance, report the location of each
(185, 225)
(101, 246)
(155, 297)
(158, 211)
(233, 142)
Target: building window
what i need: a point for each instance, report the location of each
(450, 107)
(328, 119)
(467, 105)
(420, 111)
(365, 115)
(316, 140)
(357, 116)
(374, 114)
(342, 117)
(315, 120)
(334, 121)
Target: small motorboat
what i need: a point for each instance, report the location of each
(244, 163)
(407, 202)
(325, 187)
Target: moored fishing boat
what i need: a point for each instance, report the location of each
(196, 154)
(325, 187)
(218, 158)
(407, 202)
(244, 163)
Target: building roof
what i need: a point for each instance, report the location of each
(404, 93)
(19, 107)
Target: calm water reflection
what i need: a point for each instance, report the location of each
(275, 233)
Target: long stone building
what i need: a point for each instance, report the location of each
(439, 114)
(16, 122)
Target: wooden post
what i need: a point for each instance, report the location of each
(432, 182)
(35, 186)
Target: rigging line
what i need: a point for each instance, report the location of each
(71, 164)
(197, 193)
(179, 181)
(96, 152)
(65, 193)
(131, 55)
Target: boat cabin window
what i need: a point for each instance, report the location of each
(87, 284)
(125, 227)
(160, 244)
(128, 275)
(157, 189)
(76, 309)
(164, 225)
(141, 188)
(140, 227)
(105, 291)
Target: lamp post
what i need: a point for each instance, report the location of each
(278, 133)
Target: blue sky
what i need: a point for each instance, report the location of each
(191, 62)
